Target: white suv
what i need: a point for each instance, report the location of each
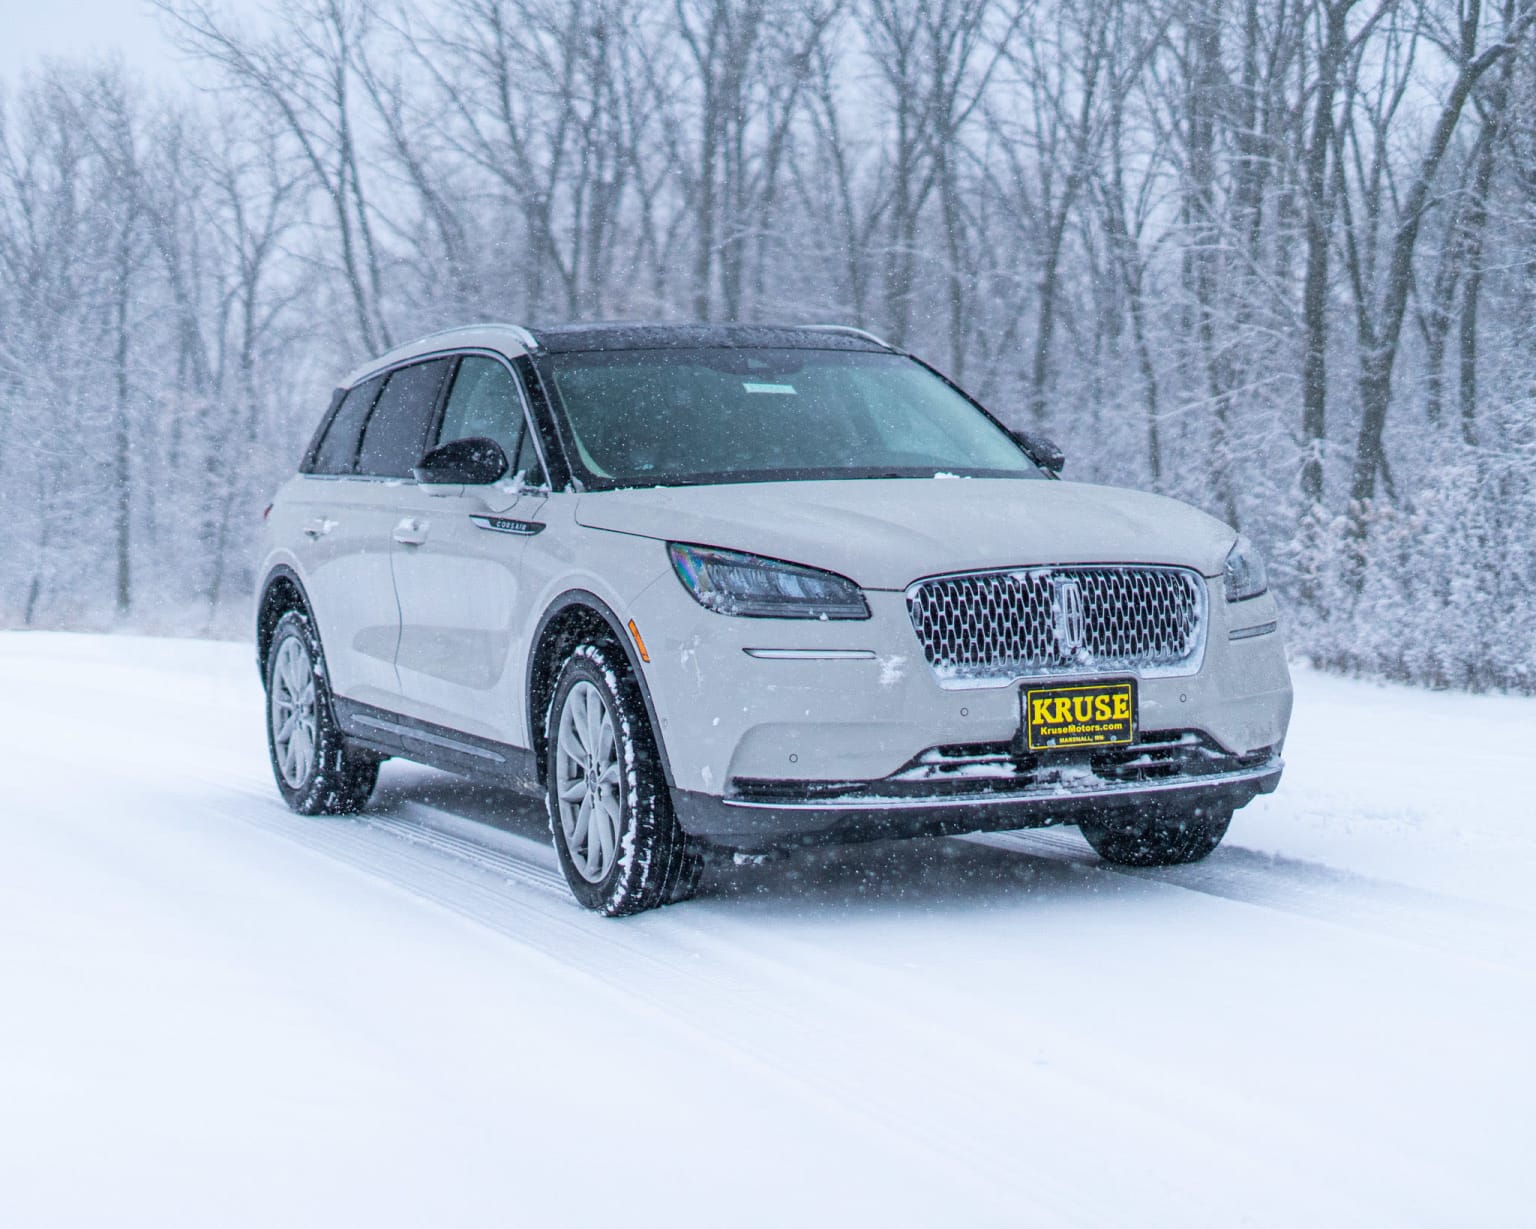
(740, 588)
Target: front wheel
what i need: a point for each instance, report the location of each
(1159, 839)
(610, 812)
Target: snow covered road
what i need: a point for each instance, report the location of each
(216, 1012)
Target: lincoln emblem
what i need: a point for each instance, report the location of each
(1067, 610)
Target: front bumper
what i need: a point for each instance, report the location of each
(779, 728)
(942, 800)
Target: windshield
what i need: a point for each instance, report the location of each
(657, 417)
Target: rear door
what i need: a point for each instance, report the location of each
(353, 507)
(458, 572)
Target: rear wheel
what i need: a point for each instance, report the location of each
(610, 811)
(1158, 840)
(317, 774)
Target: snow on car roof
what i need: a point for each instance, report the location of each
(636, 335)
(515, 339)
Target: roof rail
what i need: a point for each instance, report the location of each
(847, 330)
(523, 334)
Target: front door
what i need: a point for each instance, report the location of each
(457, 564)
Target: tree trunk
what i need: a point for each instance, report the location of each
(121, 443)
(1314, 294)
(1476, 228)
(1377, 360)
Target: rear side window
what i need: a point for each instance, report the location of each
(396, 434)
(337, 452)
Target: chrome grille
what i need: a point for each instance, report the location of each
(1062, 620)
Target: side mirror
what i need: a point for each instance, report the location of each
(1041, 451)
(473, 462)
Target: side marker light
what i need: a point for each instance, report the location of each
(639, 642)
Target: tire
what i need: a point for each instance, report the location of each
(316, 772)
(1159, 840)
(610, 812)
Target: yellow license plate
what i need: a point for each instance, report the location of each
(1080, 715)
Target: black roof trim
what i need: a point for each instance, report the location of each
(571, 338)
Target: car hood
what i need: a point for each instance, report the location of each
(885, 533)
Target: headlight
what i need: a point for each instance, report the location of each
(735, 584)
(1245, 576)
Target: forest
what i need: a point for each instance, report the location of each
(1273, 257)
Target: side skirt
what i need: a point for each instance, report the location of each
(388, 733)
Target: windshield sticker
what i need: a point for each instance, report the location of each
(783, 390)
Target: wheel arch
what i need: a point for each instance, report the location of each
(575, 615)
(281, 592)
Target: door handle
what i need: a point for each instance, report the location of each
(318, 528)
(411, 531)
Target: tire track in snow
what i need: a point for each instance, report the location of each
(482, 883)
(510, 884)
(1446, 924)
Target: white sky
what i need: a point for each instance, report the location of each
(33, 30)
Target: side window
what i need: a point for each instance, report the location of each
(527, 462)
(338, 450)
(484, 402)
(396, 434)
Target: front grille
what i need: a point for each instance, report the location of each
(1062, 620)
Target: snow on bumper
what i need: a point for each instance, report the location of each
(874, 810)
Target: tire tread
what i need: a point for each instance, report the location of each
(344, 778)
(1158, 840)
(665, 865)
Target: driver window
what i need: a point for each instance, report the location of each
(527, 462)
(484, 402)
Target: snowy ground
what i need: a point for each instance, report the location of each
(217, 1013)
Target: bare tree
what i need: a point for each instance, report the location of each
(1155, 227)
(303, 76)
(1061, 60)
(1379, 314)
(1336, 46)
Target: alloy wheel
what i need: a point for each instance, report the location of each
(293, 712)
(587, 782)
